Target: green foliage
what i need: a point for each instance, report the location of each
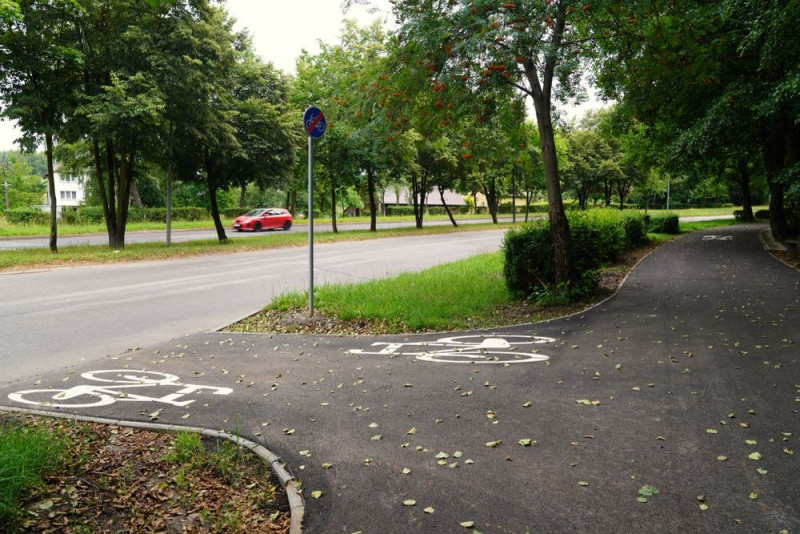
(444, 297)
(27, 216)
(667, 223)
(597, 237)
(26, 456)
(187, 449)
(94, 214)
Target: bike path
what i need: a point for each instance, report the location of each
(674, 384)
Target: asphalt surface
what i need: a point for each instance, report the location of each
(683, 390)
(181, 236)
(52, 318)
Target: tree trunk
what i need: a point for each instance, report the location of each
(211, 182)
(446, 207)
(243, 196)
(415, 201)
(774, 155)
(622, 189)
(607, 191)
(744, 182)
(559, 226)
(528, 200)
(373, 207)
(125, 181)
(137, 200)
(491, 198)
(51, 182)
(111, 169)
(333, 208)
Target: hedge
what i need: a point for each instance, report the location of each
(28, 216)
(668, 223)
(597, 237)
(94, 215)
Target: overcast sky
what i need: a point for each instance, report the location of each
(280, 29)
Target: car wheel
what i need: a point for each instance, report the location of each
(257, 227)
(287, 225)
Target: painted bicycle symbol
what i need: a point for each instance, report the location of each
(117, 385)
(467, 349)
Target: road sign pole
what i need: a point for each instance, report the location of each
(314, 125)
(310, 226)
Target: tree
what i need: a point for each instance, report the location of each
(713, 80)
(38, 75)
(527, 44)
(24, 187)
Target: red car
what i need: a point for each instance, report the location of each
(263, 219)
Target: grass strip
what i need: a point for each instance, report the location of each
(26, 456)
(444, 297)
(80, 255)
(458, 295)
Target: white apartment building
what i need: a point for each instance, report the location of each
(70, 191)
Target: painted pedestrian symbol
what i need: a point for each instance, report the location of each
(117, 385)
(466, 349)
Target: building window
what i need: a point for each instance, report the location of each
(63, 195)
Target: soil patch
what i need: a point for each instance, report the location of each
(119, 479)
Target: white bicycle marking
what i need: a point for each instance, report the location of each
(717, 238)
(466, 349)
(115, 387)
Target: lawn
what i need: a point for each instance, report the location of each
(469, 293)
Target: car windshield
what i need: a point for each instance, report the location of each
(253, 213)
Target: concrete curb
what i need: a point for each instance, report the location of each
(287, 481)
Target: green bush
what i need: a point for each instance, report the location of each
(761, 214)
(399, 210)
(28, 216)
(94, 215)
(597, 237)
(668, 223)
(232, 213)
(635, 229)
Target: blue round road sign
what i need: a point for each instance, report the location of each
(314, 122)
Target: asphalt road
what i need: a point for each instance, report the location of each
(180, 236)
(60, 317)
(682, 391)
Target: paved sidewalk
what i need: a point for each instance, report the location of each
(687, 382)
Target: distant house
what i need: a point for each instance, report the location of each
(70, 191)
(402, 197)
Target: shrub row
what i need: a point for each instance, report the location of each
(94, 214)
(667, 223)
(597, 237)
(27, 216)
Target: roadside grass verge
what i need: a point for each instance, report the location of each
(27, 455)
(464, 294)
(450, 296)
(81, 255)
(40, 230)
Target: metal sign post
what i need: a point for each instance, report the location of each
(314, 125)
